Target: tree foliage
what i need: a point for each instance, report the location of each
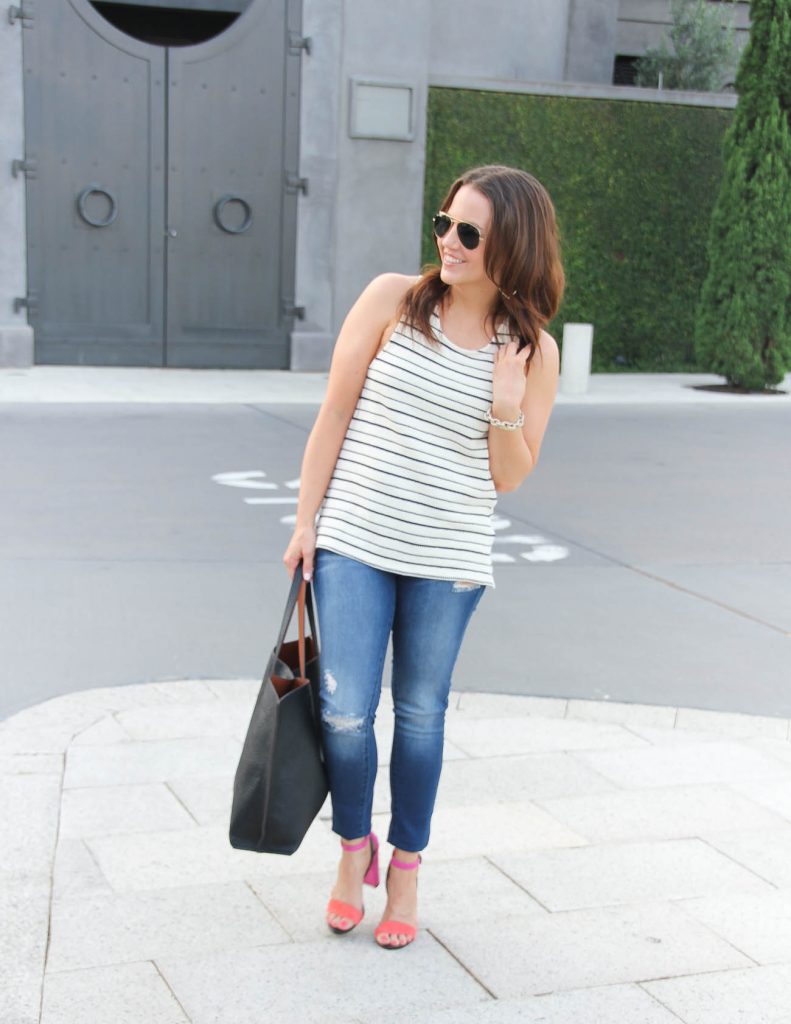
(702, 53)
(743, 319)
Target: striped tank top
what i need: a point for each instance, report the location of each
(411, 491)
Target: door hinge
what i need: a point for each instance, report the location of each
(296, 184)
(30, 302)
(28, 166)
(289, 309)
(297, 43)
(23, 14)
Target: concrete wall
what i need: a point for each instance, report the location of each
(16, 337)
(312, 339)
(590, 47)
(590, 91)
(380, 184)
(362, 214)
(523, 39)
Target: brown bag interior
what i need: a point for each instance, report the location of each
(289, 652)
(283, 686)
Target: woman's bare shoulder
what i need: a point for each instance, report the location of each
(360, 338)
(545, 338)
(549, 347)
(390, 290)
(392, 286)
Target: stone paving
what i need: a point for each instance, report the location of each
(589, 863)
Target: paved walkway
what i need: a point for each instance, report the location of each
(132, 384)
(590, 863)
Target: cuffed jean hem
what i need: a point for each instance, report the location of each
(407, 843)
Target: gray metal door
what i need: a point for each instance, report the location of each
(161, 231)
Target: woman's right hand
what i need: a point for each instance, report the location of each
(301, 546)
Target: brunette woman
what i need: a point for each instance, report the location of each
(439, 394)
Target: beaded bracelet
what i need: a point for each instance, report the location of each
(504, 424)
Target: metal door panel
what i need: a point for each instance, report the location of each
(154, 140)
(94, 119)
(226, 108)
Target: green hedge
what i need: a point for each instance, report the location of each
(633, 185)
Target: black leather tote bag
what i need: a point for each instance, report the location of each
(281, 782)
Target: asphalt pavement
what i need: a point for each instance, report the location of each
(145, 514)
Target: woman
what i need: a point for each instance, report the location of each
(415, 437)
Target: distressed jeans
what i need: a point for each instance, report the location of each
(358, 607)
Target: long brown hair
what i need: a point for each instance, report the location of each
(522, 257)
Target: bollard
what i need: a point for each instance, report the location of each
(575, 358)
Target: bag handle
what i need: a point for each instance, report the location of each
(301, 622)
(300, 593)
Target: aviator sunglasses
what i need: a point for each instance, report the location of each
(469, 235)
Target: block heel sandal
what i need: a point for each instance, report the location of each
(371, 877)
(392, 927)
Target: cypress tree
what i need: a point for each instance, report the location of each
(743, 319)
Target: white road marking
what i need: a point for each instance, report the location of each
(271, 501)
(244, 478)
(522, 538)
(546, 553)
(543, 551)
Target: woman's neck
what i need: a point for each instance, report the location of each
(472, 304)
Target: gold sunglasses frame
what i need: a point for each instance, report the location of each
(455, 220)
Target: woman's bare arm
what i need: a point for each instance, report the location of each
(513, 454)
(355, 348)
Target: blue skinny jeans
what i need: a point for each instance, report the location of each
(358, 606)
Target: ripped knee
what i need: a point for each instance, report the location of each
(332, 718)
(342, 723)
(460, 585)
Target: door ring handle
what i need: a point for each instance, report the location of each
(82, 206)
(220, 206)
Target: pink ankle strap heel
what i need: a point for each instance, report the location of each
(392, 927)
(404, 864)
(371, 877)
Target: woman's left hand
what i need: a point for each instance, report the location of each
(509, 381)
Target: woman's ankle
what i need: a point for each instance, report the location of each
(409, 856)
(361, 855)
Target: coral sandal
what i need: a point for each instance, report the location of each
(371, 877)
(391, 927)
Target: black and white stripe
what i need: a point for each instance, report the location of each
(411, 491)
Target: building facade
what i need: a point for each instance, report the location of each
(212, 185)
